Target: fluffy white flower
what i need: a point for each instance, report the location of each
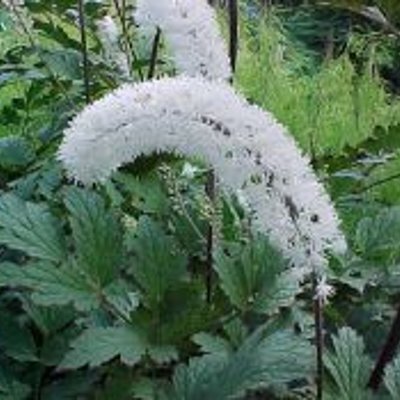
(192, 33)
(249, 151)
(109, 35)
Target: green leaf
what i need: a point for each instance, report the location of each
(30, 228)
(159, 265)
(96, 346)
(122, 298)
(16, 340)
(15, 152)
(10, 387)
(48, 319)
(50, 285)
(348, 367)
(96, 233)
(57, 33)
(260, 362)
(54, 348)
(212, 344)
(174, 320)
(75, 385)
(64, 63)
(392, 378)
(118, 385)
(380, 235)
(162, 354)
(146, 191)
(256, 278)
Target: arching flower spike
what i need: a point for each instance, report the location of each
(249, 151)
(192, 34)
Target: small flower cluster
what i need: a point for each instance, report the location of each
(324, 290)
(191, 32)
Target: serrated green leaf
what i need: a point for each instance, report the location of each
(15, 152)
(254, 278)
(50, 285)
(380, 235)
(260, 362)
(118, 385)
(99, 345)
(210, 344)
(97, 234)
(65, 63)
(16, 340)
(174, 320)
(162, 354)
(31, 228)
(158, 263)
(122, 298)
(75, 385)
(147, 389)
(47, 319)
(54, 348)
(348, 367)
(147, 194)
(10, 387)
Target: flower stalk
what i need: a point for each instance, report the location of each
(84, 50)
(387, 354)
(154, 54)
(233, 32)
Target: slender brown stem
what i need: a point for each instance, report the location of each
(319, 342)
(211, 193)
(233, 32)
(129, 50)
(154, 53)
(388, 352)
(84, 49)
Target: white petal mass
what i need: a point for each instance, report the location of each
(250, 152)
(192, 34)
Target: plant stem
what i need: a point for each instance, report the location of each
(154, 53)
(388, 352)
(233, 32)
(211, 193)
(319, 341)
(84, 49)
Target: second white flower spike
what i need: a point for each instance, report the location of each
(192, 34)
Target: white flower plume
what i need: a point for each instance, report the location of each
(192, 33)
(109, 35)
(249, 151)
